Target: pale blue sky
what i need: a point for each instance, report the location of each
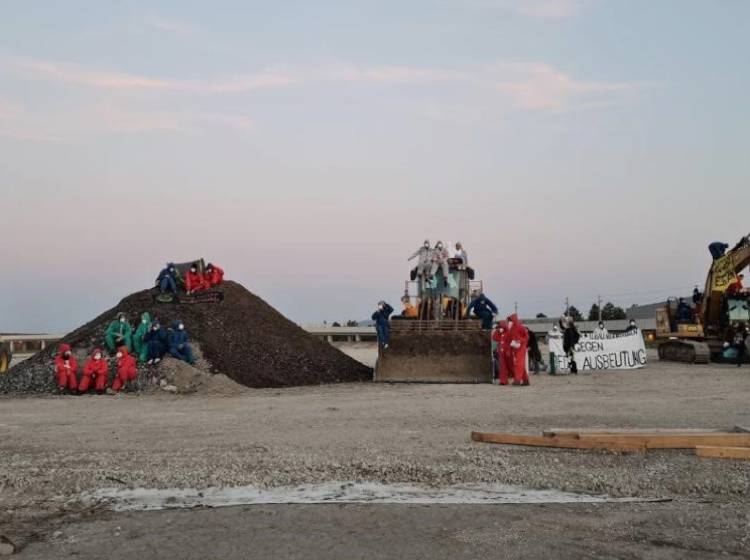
(576, 147)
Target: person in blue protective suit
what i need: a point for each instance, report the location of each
(178, 343)
(382, 326)
(167, 279)
(156, 343)
(483, 309)
(718, 249)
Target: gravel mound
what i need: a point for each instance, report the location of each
(242, 337)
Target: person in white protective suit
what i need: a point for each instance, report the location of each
(440, 260)
(600, 331)
(424, 264)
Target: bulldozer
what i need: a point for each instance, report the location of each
(433, 341)
(702, 338)
(6, 356)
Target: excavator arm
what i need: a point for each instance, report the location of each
(722, 273)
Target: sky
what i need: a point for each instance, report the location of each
(576, 147)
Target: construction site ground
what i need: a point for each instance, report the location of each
(53, 449)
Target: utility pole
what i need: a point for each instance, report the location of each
(515, 307)
(567, 305)
(599, 306)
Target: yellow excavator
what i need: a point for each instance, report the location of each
(699, 337)
(433, 340)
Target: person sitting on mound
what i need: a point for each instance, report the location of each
(167, 279)
(156, 343)
(126, 369)
(95, 369)
(213, 275)
(119, 333)
(66, 369)
(195, 281)
(139, 338)
(178, 343)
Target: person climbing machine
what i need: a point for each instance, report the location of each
(737, 287)
(156, 343)
(718, 249)
(382, 326)
(571, 336)
(518, 336)
(95, 369)
(126, 369)
(167, 279)
(178, 343)
(684, 313)
(424, 263)
(483, 309)
(195, 281)
(214, 275)
(739, 341)
(119, 333)
(66, 369)
(139, 338)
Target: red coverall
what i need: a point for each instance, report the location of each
(96, 370)
(66, 369)
(195, 282)
(504, 356)
(214, 276)
(126, 370)
(518, 334)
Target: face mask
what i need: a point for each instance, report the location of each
(510, 325)
(122, 319)
(154, 328)
(144, 321)
(193, 270)
(180, 327)
(119, 355)
(601, 326)
(97, 356)
(66, 354)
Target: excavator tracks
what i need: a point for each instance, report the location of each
(685, 351)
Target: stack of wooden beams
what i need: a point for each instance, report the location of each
(706, 443)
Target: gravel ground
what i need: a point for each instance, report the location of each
(53, 448)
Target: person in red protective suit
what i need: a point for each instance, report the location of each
(214, 275)
(518, 337)
(126, 370)
(195, 281)
(503, 351)
(95, 369)
(66, 368)
(736, 287)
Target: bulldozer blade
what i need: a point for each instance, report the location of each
(436, 357)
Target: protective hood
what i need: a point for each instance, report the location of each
(502, 325)
(176, 324)
(513, 318)
(123, 350)
(146, 317)
(62, 349)
(96, 351)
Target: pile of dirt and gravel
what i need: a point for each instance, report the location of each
(242, 337)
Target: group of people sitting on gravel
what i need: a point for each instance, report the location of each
(196, 279)
(148, 343)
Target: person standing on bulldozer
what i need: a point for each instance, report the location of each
(483, 309)
(382, 326)
(425, 259)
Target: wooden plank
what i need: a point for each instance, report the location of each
(564, 443)
(574, 432)
(723, 452)
(671, 441)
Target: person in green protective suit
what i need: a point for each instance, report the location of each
(119, 333)
(139, 344)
